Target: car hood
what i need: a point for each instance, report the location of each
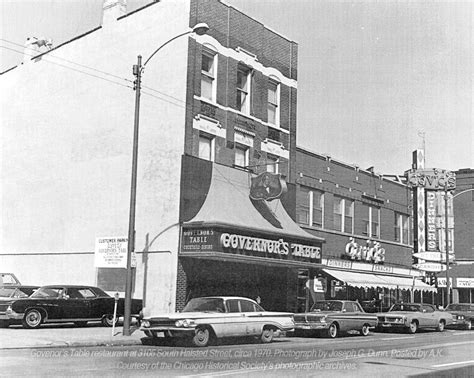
(397, 313)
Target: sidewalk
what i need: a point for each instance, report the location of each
(65, 335)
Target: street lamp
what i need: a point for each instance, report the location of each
(446, 236)
(199, 29)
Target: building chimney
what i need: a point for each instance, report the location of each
(113, 9)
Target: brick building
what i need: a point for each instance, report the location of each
(366, 220)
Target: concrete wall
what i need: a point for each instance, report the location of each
(67, 128)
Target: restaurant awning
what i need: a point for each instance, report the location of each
(228, 205)
(367, 280)
(406, 283)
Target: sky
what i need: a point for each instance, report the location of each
(376, 79)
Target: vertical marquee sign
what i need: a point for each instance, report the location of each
(431, 186)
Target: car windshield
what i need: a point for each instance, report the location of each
(405, 307)
(47, 292)
(205, 305)
(457, 307)
(327, 306)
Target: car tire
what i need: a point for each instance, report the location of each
(267, 335)
(413, 327)
(365, 330)
(81, 323)
(468, 325)
(108, 320)
(202, 337)
(333, 331)
(441, 325)
(32, 319)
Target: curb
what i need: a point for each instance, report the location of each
(76, 344)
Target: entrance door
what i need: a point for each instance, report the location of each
(302, 291)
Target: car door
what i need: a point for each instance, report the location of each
(74, 305)
(254, 318)
(428, 317)
(234, 321)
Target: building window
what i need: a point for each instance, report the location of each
(206, 147)
(371, 220)
(241, 155)
(310, 207)
(208, 76)
(343, 215)
(243, 89)
(401, 228)
(272, 163)
(273, 102)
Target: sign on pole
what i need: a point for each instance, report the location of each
(111, 252)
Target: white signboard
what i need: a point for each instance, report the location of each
(442, 281)
(433, 256)
(465, 282)
(111, 252)
(430, 267)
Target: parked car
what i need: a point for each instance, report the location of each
(204, 319)
(64, 303)
(463, 315)
(414, 316)
(334, 317)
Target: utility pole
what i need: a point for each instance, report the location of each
(137, 71)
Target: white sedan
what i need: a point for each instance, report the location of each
(207, 318)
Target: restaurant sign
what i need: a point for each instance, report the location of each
(433, 179)
(214, 240)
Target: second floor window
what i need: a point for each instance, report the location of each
(402, 226)
(273, 102)
(310, 207)
(208, 77)
(371, 219)
(206, 147)
(241, 155)
(243, 89)
(343, 215)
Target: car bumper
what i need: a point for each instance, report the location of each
(391, 325)
(458, 324)
(311, 326)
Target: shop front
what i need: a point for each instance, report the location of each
(233, 244)
(461, 282)
(376, 286)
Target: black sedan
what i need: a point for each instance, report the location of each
(64, 303)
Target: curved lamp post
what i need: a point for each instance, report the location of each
(446, 237)
(138, 68)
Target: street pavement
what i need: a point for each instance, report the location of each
(64, 335)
